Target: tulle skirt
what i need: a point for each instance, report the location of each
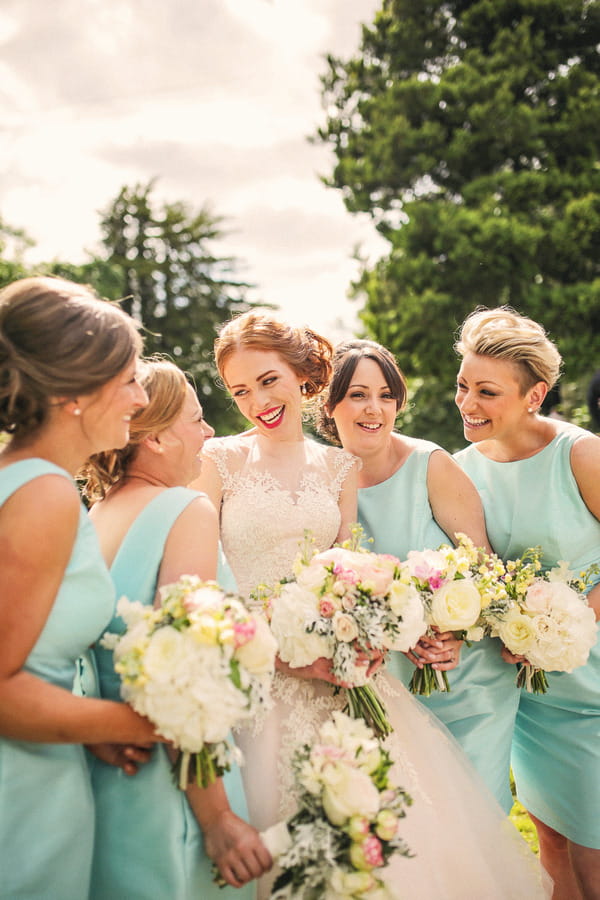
(463, 845)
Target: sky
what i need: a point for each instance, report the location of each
(214, 98)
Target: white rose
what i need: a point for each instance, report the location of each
(258, 654)
(517, 633)
(456, 605)
(347, 792)
(344, 627)
(276, 839)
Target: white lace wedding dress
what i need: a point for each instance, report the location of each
(464, 847)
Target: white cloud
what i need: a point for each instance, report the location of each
(215, 99)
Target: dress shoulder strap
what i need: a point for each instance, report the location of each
(144, 543)
(20, 473)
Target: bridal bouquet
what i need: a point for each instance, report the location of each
(347, 825)
(455, 585)
(196, 666)
(548, 620)
(343, 604)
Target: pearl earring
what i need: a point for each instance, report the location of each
(76, 411)
(529, 409)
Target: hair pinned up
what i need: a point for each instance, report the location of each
(307, 353)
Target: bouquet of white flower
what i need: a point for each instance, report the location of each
(196, 666)
(455, 584)
(548, 620)
(347, 825)
(344, 603)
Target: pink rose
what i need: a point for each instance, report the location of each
(243, 632)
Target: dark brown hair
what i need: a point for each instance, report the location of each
(346, 358)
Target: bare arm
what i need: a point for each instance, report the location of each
(455, 502)
(585, 463)
(209, 481)
(38, 526)
(232, 844)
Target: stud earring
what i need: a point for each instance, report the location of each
(76, 411)
(530, 409)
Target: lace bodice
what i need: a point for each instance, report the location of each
(267, 505)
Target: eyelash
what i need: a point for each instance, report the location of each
(486, 393)
(358, 395)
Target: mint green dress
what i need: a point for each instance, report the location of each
(481, 707)
(46, 803)
(148, 843)
(556, 748)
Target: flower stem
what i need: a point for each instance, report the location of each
(364, 703)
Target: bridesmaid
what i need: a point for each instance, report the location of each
(412, 496)
(152, 530)
(539, 478)
(68, 389)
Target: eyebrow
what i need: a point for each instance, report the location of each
(385, 386)
(482, 381)
(258, 378)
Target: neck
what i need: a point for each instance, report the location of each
(146, 478)
(380, 465)
(523, 443)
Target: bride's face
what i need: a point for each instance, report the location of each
(266, 391)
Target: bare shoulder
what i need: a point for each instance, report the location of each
(585, 452)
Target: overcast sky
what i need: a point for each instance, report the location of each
(214, 97)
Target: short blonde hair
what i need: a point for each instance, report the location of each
(166, 387)
(307, 353)
(503, 333)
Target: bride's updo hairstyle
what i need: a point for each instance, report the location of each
(505, 334)
(307, 353)
(57, 342)
(166, 387)
(346, 358)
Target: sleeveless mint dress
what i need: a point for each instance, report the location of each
(46, 803)
(481, 707)
(148, 843)
(556, 748)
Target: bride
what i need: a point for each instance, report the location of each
(270, 485)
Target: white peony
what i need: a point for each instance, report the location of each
(163, 652)
(293, 611)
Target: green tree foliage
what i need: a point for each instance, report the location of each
(14, 243)
(159, 258)
(470, 132)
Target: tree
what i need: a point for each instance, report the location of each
(159, 258)
(14, 243)
(470, 132)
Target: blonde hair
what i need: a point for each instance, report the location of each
(307, 353)
(503, 333)
(57, 340)
(166, 387)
